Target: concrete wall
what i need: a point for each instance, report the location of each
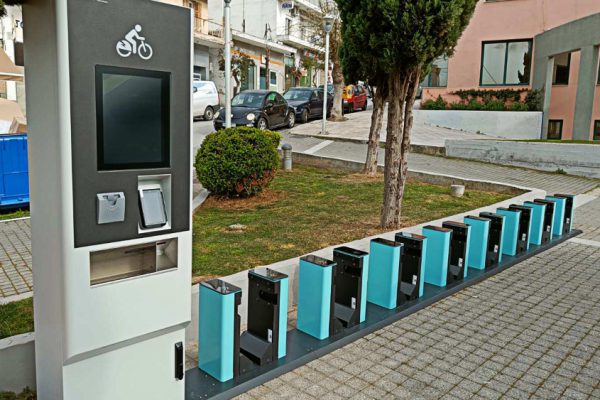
(576, 159)
(504, 124)
(17, 363)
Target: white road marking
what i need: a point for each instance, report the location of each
(318, 147)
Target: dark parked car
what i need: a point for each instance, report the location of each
(307, 102)
(329, 89)
(259, 108)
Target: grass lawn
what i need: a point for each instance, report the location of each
(16, 318)
(307, 210)
(11, 214)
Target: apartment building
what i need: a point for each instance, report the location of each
(282, 30)
(11, 41)
(541, 44)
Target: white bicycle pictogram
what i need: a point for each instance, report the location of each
(129, 45)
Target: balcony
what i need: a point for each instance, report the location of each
(309, 5)
(208, 33)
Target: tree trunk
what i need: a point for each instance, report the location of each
(338, 85)
(408, 123)
(390, 212)
(374, 134)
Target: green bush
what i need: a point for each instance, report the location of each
(534, 100)
(438, 104)
(518, 107)
(26, 394)
(237, 161)
(494, 105)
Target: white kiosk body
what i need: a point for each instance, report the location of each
(108, 101)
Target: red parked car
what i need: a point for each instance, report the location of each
(354, 97)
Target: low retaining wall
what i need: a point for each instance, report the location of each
(504, 124)
(17, 363)
(575, 159)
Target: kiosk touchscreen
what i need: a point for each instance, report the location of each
(109, 106)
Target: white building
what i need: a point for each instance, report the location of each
(11, 40)
(286, 29)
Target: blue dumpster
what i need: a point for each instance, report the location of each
(14, 182)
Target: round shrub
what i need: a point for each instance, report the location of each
(238, 161)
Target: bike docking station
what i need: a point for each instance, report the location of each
(549, 218)
(569, 211)
(109, 113)
(357, 293)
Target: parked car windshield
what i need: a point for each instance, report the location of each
(250, 100)
(204, 87)
(297, 95)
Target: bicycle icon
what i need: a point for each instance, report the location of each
(129, 45)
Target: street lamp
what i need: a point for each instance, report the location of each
(227, 38)
(327, 26)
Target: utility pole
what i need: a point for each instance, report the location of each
(227, 28)
(327, 26)
(267, 57)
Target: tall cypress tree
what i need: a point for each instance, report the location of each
(394, 41)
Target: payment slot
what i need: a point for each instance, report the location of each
(548, 219)
(219, 329)
(316, 296)
(438, 255)
(538, 217)
(264, 341)
(569, 211)
(385, 268)
(478, 243)
(559, 214)
(412, 271)
(350, 280)
(493, 255)
(459, 250)
(512, 220)
(524, 227)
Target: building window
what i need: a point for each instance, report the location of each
(19, 54)
(438, 76)
(597, 130)
(273, 78)
(248, 83)
(506, 63)
(555, 129)
(562, 66)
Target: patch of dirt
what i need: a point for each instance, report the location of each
(362, 178)
(264, 198)
(203, 278)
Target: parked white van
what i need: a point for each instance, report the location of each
(205, 99)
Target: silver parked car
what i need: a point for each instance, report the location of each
(205, 99)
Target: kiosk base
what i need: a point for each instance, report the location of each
(303, 348)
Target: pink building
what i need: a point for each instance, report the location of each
(542, 44)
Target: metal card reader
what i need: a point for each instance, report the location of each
(152, 208)
(110, 207)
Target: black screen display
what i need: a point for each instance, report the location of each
(132, 111)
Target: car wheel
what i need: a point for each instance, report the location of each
(304, 117)
(291, 120)
(350, 108)
(209, 114)
(262, 124)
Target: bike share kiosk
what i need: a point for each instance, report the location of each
(493, 255)
(569, 211)
(438, 255)
(512, 219)
(219, 329)
(385, 268)
(524, 227)
(350, 280)
(110, 163)
(316, 296)
(538, 217)
(548, 219)
(265, 339)
(459, 250)
(559, 214)
(478, 243)
(412, 262)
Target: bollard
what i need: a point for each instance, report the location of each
(287, 156)
(457, 190)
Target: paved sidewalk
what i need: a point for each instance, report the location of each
(358, 124)
(552, 183)
(15, 257)
(531, 332)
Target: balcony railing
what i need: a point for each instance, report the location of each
(208, 27)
